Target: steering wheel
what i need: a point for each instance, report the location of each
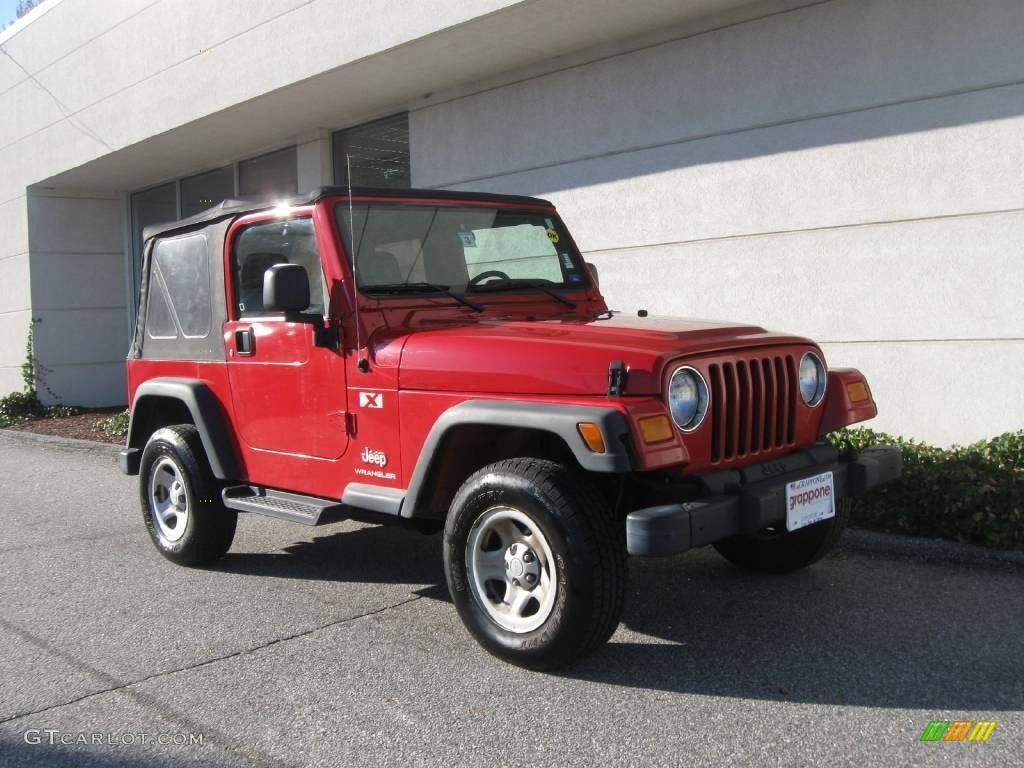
(474, 281)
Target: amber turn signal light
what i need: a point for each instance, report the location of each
(655, 429)
(857, 391)
(591, 434)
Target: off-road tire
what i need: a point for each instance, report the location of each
(784, 552)
(589, 560)
(207, 528)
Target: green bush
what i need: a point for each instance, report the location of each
(114, 426)
(19, 407)
(972, 493)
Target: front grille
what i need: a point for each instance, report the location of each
(753, 406)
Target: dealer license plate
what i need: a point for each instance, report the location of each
(810, 500)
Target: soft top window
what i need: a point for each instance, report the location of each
(179, 303)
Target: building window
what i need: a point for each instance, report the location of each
(269, 176)
(204, 190)
(378, 153)
(272, 175)
(151, 206)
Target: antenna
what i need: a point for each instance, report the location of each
(363, 364)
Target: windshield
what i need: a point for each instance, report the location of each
(407, 248)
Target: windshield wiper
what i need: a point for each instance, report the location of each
(513, 284)
(397, 288)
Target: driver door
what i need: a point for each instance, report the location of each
(288, 394)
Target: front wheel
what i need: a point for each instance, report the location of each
(535, 562)
(779, 551)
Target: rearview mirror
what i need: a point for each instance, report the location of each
(593, 271)
(286, 289)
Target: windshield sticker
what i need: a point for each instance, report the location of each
(567, 261)
(468, 239)
(552, 235)
(575, 277)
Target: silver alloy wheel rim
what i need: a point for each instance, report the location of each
(511, 569)
(168, 500)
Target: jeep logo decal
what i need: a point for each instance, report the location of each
(370, 456)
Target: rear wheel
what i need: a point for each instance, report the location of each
(181, 503)
(779, 551)
(535, 562)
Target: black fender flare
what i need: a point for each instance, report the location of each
(557, 419)
(207, 415)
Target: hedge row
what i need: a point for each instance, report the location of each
(972, 493)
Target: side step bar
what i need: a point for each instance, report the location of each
(287, 506)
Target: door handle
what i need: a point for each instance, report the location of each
(245, 342)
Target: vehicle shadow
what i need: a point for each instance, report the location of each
(851, 630)
(373, 554)
(856, 629)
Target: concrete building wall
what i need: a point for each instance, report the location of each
(849, 170)
(86, 79)
(15, 291)
(78, 295)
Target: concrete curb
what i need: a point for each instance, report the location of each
(929, 550)
(67, 443)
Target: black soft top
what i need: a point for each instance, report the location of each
(237, 207)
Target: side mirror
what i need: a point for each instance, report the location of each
(593, 272)
(286, 289)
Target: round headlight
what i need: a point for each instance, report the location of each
(812, 379)
(687, 398)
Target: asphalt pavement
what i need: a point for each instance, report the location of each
(338, 646)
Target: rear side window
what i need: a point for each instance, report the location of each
(261, 246)
(179, 289)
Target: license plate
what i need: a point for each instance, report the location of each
(810, 500)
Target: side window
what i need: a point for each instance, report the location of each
(261, 246)
(179, 289)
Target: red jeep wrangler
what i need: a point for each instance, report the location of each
(445, 360)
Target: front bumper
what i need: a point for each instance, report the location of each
(128, 459)
(751, 498)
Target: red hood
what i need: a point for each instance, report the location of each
(563, 357)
